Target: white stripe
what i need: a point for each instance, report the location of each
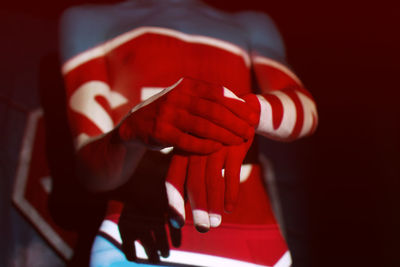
(175, 199)
(265, 126)
(106, 47)
(229, 94)
(191, 258)
(272, 63)
(82, 140)
(285, 261)
(20, 186)
(310, 112)
(245, 171)
(215, 219)
(111, 229)
(201, 218)
(147, 92)
(83, 101)
(47, 184)
(167, 150)
(155, 97)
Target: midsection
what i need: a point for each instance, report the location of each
(148, 59)
(253, 204)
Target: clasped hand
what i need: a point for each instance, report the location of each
(211, 129)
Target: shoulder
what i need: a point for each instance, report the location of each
(263, 33)
(81, 28)
(84, 27)
(251, 17)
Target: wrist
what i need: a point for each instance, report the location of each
(254, 103)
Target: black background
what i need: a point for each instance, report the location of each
(346, 54)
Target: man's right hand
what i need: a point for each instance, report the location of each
(200, 177)
(192, 116)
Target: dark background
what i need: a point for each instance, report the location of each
(348, 172)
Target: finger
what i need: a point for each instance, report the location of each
(216, 113)
(176, 235)
(226, 97)
(239, 106)
(128, 247)
(149, 246)
(254, 103)
(196, 189)
(204, 128)
(215, 186)
(161, 240)
(233, 164)
(243, 110)
(170, 135)
(174, 184)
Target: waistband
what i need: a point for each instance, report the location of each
(228, 245)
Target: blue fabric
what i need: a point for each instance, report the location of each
(104, 253)
(84, 27)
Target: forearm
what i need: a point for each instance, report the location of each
(106, 162)
(286, 115)
(102, 161)
(287, 109)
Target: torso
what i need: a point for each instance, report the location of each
(152, 48)
(147, 49)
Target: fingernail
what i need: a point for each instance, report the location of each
(164, 254)
(176, 223)
(202, 228)
(176, 206)
(201, 220)
(215, 220)
(229, 208)
(176, 220)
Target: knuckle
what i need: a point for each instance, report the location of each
(216, 112)
(186, 84)
(166, 112)
(162, 110)
(158, 130)
(172, 96)
(182, 142)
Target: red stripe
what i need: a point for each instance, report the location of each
(81, 124)
(92, 70)
(271, 78)
(277, 109)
